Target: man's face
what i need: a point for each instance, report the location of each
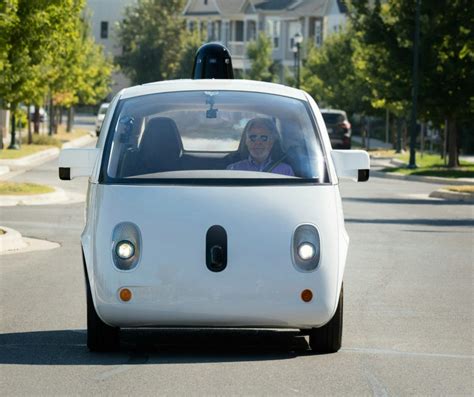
(259, 142)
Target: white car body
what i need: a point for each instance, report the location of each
(171, 286)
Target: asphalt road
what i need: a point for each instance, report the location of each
(408, 325)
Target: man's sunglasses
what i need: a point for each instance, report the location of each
(261, 138)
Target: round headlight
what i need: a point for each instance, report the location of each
(306, 251)
(124, 249)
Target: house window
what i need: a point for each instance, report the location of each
(191, 25)
(238, 30)
(251, 30)
(273, 31)
(214, 32)
(202, 26)
(318, 33)
(225, 34)
(104, 30)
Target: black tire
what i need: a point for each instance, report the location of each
(100, 336)
(328, 338)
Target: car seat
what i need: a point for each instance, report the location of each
(161, 147)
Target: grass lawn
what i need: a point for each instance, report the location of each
(13, 188)
(461, 189)
(25, 150)
(42, 142)
(433, 165)
(383, 153)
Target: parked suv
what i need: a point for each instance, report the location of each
(339, 128)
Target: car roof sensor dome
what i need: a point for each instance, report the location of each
(213, 61)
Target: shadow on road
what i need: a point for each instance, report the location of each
(145, 346)
(392, 200)
(415, 221)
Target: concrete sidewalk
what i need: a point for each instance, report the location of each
(372, 143)
(11, 241)
(10, 167)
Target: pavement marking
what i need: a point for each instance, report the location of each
(412, 354)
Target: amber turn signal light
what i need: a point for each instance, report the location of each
(125, 294)
(306, 295)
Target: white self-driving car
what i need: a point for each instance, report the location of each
(184, 228)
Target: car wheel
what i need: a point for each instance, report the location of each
(100, 336)
(328, 338)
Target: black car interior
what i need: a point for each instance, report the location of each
(161, 149)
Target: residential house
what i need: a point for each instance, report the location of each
(234, 23)
(237, 22)
(105, 15)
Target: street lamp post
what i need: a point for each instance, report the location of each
(298, 39)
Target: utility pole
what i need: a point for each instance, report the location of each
(412, 163)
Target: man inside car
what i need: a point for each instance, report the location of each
(260, 137)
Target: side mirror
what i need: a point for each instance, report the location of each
(352, 164)
(77, 162)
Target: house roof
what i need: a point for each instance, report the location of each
(273, 5)
(233, 7)
(312, 7)
(230, 6)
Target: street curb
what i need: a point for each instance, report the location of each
(398, 163)
(79, 142)
(11, 240)
(28, 162)
(426, 179)
(449, 195)
(58, 196)
(31, 161)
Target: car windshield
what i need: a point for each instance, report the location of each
(218, 135)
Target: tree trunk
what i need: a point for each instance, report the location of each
(393, 128)
(28, 118)
(399, 135)
(36, 120)
(51, 116)
(13, 144)
(405, 135)
(57, 112)
(453, 143)
(70, 119)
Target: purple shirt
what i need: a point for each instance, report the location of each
(250, 165)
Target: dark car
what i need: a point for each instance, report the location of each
(339, 128)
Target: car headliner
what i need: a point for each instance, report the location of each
(211, 84)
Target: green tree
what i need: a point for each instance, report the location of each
(259, 53)
(151, 36)
(192, 40)
(35, 35)
(446, 58)
(330, 76)
(86, 71)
